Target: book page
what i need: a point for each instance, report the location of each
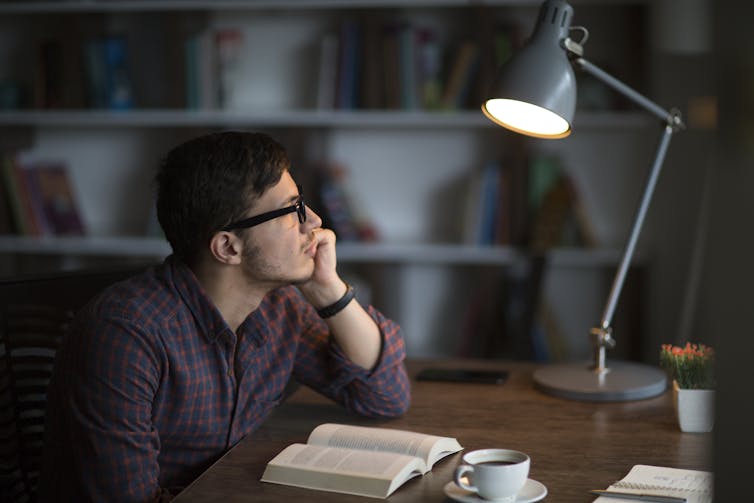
(694, 485)
(367, 473)
(429, 448)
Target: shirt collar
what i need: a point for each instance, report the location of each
(204, 311)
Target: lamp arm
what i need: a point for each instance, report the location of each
(602, 335)
(672, 118)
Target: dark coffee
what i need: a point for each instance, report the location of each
(497, 463)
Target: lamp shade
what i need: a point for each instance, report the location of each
(535, 91)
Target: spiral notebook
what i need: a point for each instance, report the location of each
(694, 485)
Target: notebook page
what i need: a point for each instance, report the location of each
(695, 485)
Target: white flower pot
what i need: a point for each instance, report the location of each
(695, 408)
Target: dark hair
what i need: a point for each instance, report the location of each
(209, 181)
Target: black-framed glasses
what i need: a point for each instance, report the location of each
(299, 207)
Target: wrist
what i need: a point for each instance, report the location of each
(337, 306)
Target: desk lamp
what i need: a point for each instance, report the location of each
(535, 94)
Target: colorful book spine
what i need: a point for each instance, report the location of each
(107, 71)
(328, 72)
(349, 66)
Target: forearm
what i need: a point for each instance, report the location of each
(383, 390)
(357, 335)
(352, 328)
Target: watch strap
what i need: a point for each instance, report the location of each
(339, 305)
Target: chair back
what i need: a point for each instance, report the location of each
(35, 312)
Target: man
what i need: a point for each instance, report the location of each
(164, 372)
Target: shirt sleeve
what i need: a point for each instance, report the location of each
(383, 391)
(110, 371)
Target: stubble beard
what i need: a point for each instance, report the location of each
(258, 271)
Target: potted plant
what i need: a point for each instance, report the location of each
(692, 370)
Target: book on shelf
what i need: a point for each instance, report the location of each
(497, 41)
(13, 206)
(59, 81)
(347, 92)
(108, 73)
(491, 205)
(327, 72)
(56, 198)
(50, 80)
(191, 51)
(461, 76)
(398, 64)
(407, 47)
(558, 214)
(21, 189)
(391, 66)
(429, 68)
(693, 485)
(213, 68)
(7, 223)
(228, 45)
(33, 206)
(365, 461)
(373, 79)
(483, 204)
(338, 212)
(41, 198)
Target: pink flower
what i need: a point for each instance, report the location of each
(692, 365)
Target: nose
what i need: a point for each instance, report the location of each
(312, 219)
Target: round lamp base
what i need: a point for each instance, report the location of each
(623, 381)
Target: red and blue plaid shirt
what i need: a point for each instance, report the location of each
(151, 386)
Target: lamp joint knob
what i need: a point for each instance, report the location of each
(602, 337)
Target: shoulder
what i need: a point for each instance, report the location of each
(134, 309)
(118, 331)
(145, 297)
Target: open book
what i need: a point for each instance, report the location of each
(694, 485)
(358, 460)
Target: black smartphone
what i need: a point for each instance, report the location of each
(463, 375)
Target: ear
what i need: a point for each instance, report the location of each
(226, 247)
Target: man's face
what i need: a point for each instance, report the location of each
(280, 251)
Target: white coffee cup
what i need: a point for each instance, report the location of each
(493, 474)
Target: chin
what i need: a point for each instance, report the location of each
(304, 276)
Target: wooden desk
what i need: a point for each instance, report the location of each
(574, 446)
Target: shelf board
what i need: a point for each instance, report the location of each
(299, 118)
(354, 253)
(458, 254)
(85, 246)
(63, 6)
(185, 5)
(226, 118)
(426, 253)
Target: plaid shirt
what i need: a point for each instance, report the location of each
(151, 386)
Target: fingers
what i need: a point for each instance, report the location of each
(324, 236)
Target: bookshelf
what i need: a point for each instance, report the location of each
(403, 164)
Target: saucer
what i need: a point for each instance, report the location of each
(532, 491)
